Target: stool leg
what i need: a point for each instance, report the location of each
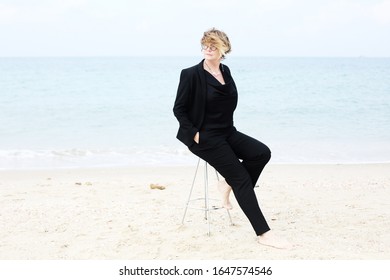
(206, 198)
(189, 196)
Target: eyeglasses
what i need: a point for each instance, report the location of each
(211, 48)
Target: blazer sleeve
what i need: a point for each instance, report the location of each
(182, 106)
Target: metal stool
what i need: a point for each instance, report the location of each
(206, 208)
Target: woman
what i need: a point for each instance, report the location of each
(205, 102)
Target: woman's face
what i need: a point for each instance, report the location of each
(210, 52)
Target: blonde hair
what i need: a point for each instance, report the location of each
(217, 38)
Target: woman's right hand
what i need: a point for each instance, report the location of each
(196, 138)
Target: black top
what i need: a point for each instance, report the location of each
(220, 103)
(190, 102)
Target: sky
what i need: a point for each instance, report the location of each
(350, 28)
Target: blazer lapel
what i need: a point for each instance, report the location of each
(203, 83)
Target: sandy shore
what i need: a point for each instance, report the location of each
(327, 211)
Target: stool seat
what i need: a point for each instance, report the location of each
(206, 208)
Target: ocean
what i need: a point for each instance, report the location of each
(117, 111)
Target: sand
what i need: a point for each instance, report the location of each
(329, 212)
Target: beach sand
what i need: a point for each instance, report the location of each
(331, 212)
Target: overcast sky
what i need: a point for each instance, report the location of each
(174, 27)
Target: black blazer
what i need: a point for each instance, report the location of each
(190, 103)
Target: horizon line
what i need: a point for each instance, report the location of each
(189, 56)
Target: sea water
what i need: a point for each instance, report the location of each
(117, 111)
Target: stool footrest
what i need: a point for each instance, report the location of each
(205, 209)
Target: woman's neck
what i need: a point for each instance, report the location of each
(213, 64)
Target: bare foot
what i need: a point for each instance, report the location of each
(270, 239)
(225, 190)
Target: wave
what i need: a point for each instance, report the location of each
(79, 158)
(173, 156)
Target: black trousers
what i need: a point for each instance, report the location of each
(240, 159)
